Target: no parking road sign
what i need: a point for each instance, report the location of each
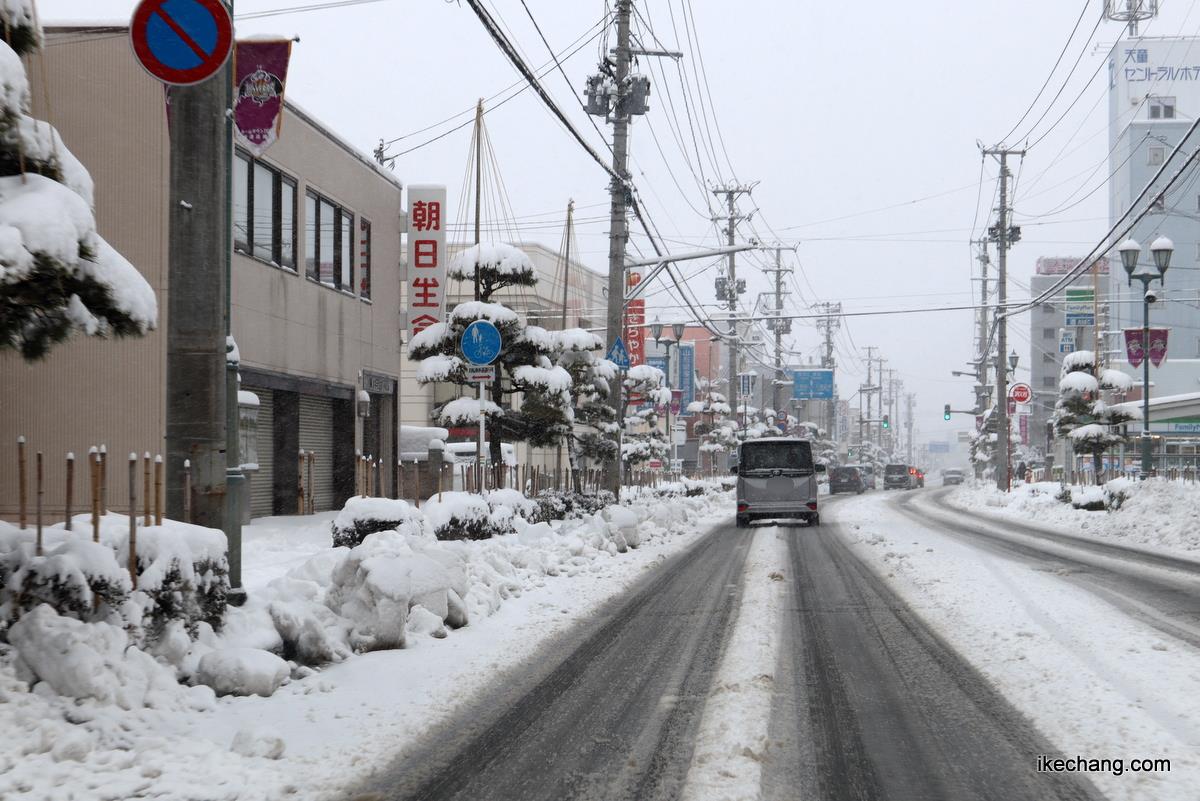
(181, 42)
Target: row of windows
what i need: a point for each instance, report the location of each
(264, 227)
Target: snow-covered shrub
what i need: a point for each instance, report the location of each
(363, 516)
(1063, 495)
(1116, 492)
(563, 505)
(242, 671)
(1090, 499)
(463, 516)
(76, 577)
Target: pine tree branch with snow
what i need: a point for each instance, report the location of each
(58, 277)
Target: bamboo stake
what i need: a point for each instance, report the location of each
(312, 467)
(70, 486)
(22, 481)
(38, 512)
(133, 519)
(400, 479)
(103, 480)
(441, 472)
(94, 475)
(417, 470)
(158, 489)
(146, 519)
(187, 490)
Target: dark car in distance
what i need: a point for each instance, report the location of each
(899, 476)
(952, 476)
(846, 479)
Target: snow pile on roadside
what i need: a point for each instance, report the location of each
(1157, 514)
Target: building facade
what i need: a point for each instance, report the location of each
(315, 290)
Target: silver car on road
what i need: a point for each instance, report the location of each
(777, 479)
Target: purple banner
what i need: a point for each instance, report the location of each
(260, 73)
(1158, 346)
(1135, 349)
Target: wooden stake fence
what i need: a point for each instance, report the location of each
(39, 503)
(146, 519)
(133, 518)
(22, 483)
(70, 487)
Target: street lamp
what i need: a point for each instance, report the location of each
(1161, 249)
(1013, 358)
(656, 331)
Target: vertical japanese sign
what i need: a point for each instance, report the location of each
(635, 322)
(1023, 423)
(1158, 346)
(687, 374)
(260, 73)
(1135, 346)
(427, 259)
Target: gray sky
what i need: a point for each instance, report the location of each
(839, 109)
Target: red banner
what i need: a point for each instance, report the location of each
(1023, 422)
(635, 322)
(1135, 348)
(259, 74)
(1158, 346)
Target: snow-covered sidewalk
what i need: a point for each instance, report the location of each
(1157, 515)
(1097, 683)
(325, 728)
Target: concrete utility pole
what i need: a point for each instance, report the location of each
(1004, 237)
(981, 365)
(828, 325)
(733, 288)
(780, 327)
(618, 232)
(865, 392)
(201, 406)
(908, 401)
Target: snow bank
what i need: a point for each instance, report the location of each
(242, 671)
(1157, 514)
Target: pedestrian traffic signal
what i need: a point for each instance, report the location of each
(946, 412)
(886, 422)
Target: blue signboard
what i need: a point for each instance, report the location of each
(618, 354)
(687, 375)
(939, 447)
(812, 385)
(659, 362)
(480, 343)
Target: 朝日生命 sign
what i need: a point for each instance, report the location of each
(181, 42)
(427, 258)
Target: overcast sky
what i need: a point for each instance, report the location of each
(838, 109)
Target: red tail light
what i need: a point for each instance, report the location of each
(743, 506)
(812, 505)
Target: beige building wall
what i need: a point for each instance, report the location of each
(91, 391)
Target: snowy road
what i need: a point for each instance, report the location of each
(761, 664)
(1157, 589)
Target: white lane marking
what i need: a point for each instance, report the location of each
(732, 742)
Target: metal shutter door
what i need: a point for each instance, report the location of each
(316, 434)
(262, 490)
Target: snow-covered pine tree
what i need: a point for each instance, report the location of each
(524, 360)
(824, 449)
(640, 446)
(57, 276)
(594, 433)
(1081, 413)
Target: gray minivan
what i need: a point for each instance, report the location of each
(777, 479)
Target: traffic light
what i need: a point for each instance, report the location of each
(886, 423)
(946, 412)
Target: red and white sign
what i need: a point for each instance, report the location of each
(425, 303)
(635, 322)
(1021, 393)
(481, 372)
(1023, 422)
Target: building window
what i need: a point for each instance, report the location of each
(1048, 382)
(264, 212)
(1048, 358)
(1048, 333)
(1162, 108)
(364, 258)
(329, 259)
(1158, 154)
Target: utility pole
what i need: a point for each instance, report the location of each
(201, 408)
(733, 287)
(909, 400)
(618, 232)
(780, 327)
(829, 324)
(865, 392)
(981, 342)
(1004, 236)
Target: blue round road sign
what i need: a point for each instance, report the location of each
(181, 42)
(480, 343)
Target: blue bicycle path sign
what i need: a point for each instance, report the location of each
(480, 343)
(618, 354)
